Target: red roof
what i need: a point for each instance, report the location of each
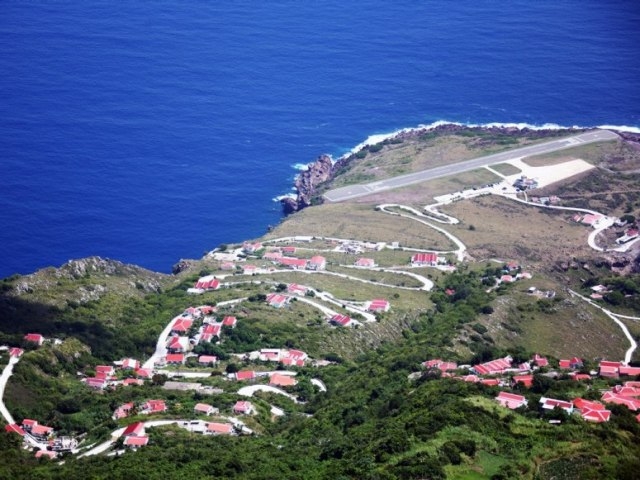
(289, 249)
(428, 257)
(511, 400)
(242, 406)
(633, 371)
(551, 403)
(144, 372)
(293, 262)
(365, 262)
(282, 380)
(490, 382)
(220, 428)
(297, 289)
(136, 441)
(540, 361)
(245, 375)
(34, 337)
(46, 453)
(277, 299)
(229, 321)
(132, 381)
(494, 366)
(597, 416)
(609, 363)
(134, 429)
(378, 304)
(207, 359)
(182, 324)
(175, 358)
(343, 320)
(154, 406)
(581, 376)
(581, 404)
(16, 352)
(526, 380)
(317, 261)
(14, 428)
(631, 403)
(207, 283)
(203, 407)
(41, 430)
(29, 423)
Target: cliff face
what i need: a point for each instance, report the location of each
(307, 182)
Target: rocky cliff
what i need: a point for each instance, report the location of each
(307, 182)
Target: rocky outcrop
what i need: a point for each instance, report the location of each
(182, 265)
(307, 182)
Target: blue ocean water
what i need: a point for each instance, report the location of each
(151, 131)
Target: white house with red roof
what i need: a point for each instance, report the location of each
(289, 250)
(341, 320)
(511, 400)
(227, 266)
(540, 361)
(229, 321)
(135, 429)
(571, 364)
(244, 375)
(251, 247)
(630, 234)
(175, 359)
(153, 406)
(296, 289)
(627, 370)
(104, 371)
(597, 416)
(378, 305)
(278, 300)
(279, 380)
(15, 428)
(135, 441)
(144, 373)
(96, 383)
(440, 365)
(208, 282)
(609, 369)
(181, 325)
(130, 363)
(207, 360)
(219, 429)
(46, 454)
(428, 259)
(176, 344)
(16, 352)
(551, 403)
(243, 407)
(294, 263)
(631, 403)
(205, 409)
(34, 338)
(209, 331)
(273, 256)
(591, 219)
(493, 367)
(365, 263)
(317, 262)
(123, 411)
(526, 380)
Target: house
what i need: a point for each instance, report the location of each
(631, 403)
(293, 362)
(135, 441)
(540, 361)
(104, 371)
(135, 429)
(251, 247)
(365, 263)
(296, 354)
(123, 411)
(296, 289)
(181, 325)
(14, 428)
(243, 375)
(16, 352)
(512, 266)
(591, 219)
(219, 429)
(41, 432)
(249, 269)
(490, 382)
(34, 338)
(626, 370)
(493, 367)
(207, 359)
(551, 403)
(243, 407)
(580, 376)
(209, 331)
(288, 250)
(205, 409)
(524, 275)
(132, 381)
(511, 400)
(227, 266)
(176, 344)
(294, 263)
(583, 405)
(573, 364)
(270, 354)
(208, 282)
(273, 256)
(597, 416)
(153, 406)
(526, 380)
(229, 321)
(507, 279)
(282, 380)
(378, 305)
(429, 259)
(609, 369)
(95, 382)
(130, 363)
(278, 300)
(317, 262)
(207, 309)
(341, 320)
(175, 358)
(440, 365)
(144, 373)
(599, 289)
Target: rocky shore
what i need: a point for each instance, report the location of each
(322, 170)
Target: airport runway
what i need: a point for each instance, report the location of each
(354, 191)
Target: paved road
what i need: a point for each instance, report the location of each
(354, 191)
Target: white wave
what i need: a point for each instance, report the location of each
(300, 166)
(282, 197)
(620, 128)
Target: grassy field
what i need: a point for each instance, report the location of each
(506, 169)
(359, 222)
(593, 153)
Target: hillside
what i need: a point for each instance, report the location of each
(370, 337)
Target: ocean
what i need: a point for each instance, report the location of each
(153, 131)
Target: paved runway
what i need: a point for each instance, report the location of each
(354, 191)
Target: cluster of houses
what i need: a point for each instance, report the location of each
(525, 183)
(44, 435)
(292, 357)
(276, 379)
(492, 374)
(590, 219)
(629, 234)
(107, 375)
(147, 407)
(355, 247)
